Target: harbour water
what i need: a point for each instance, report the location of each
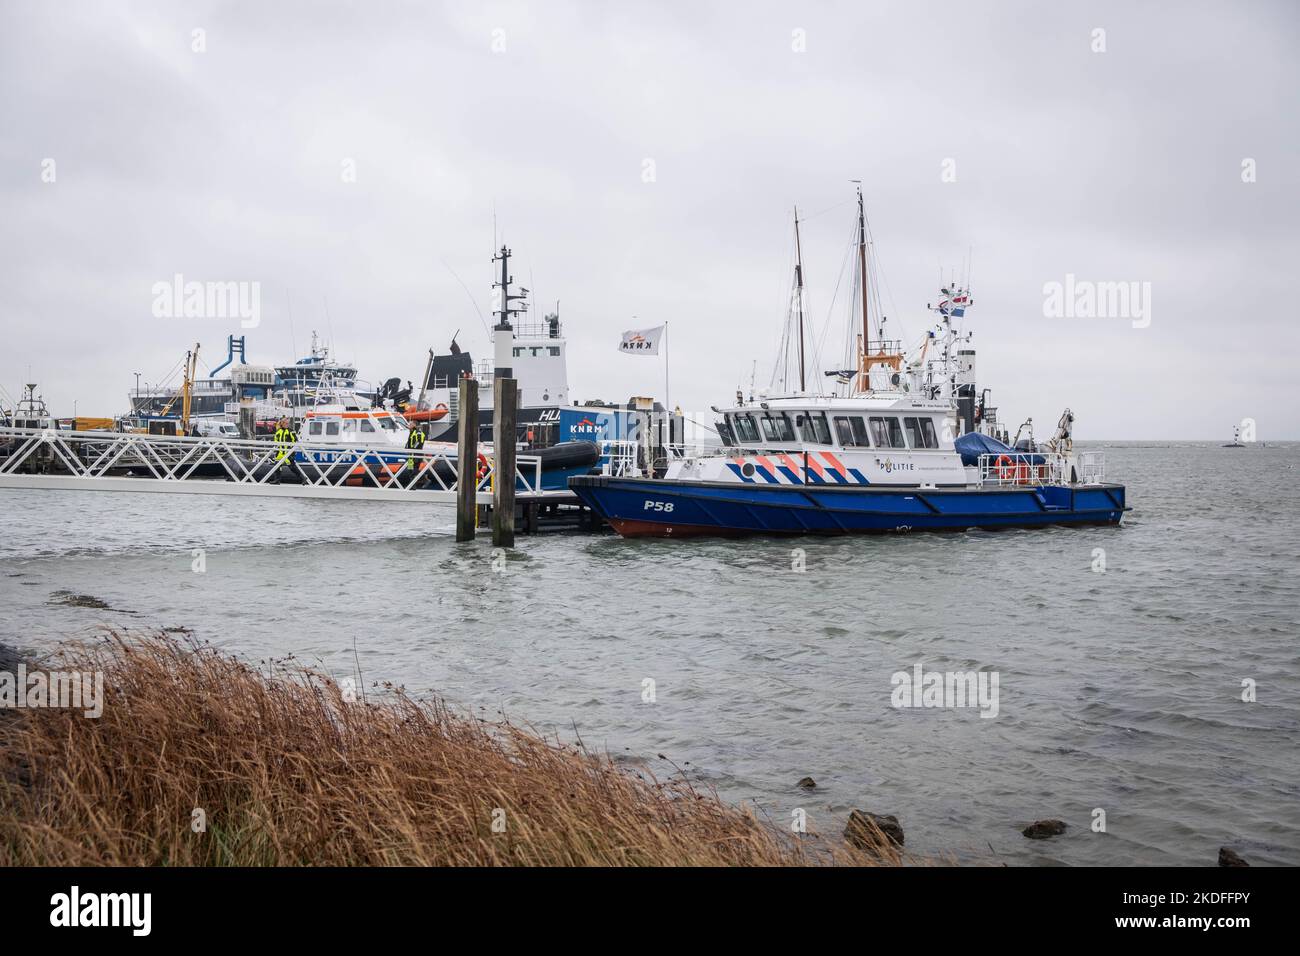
(1119, 689)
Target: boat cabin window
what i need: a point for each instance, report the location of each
(813, 428)
(920, 432)
(851, 432)
(331, 428)
(887, 433)
(746, 430)
(366, 426)
(313, 428)
(349, 425)
(725, 434)
(777, 428)
(387, 424)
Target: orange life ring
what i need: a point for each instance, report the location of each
(1006, 468)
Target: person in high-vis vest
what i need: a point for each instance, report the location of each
(285, 437)
(414, 441)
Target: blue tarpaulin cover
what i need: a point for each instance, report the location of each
(971, 445)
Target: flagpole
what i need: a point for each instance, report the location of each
(668, 407)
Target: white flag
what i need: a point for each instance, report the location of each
(642, 341)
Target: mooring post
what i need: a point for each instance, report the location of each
(647, 441)
(505, 399)
(467, 460)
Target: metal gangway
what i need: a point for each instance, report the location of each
(129, 461)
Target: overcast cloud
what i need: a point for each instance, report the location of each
(226, 165)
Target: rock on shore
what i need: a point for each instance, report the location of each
(8, 658)
(871, 831)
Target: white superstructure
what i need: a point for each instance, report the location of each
(880, 439)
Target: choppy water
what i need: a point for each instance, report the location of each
(1118, 690)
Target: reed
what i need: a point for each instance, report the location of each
(286, 772)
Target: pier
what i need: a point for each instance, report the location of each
(132, 462)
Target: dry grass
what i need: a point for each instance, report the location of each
(288, 773)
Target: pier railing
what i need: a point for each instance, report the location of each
(1027, 468)
(96, 458)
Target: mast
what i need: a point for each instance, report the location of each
(503, 332)
(187, 389)
(862, 269)
(798, 279)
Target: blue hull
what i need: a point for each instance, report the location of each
(637, 507)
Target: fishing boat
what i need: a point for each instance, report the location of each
(883, 456)
(209, 396)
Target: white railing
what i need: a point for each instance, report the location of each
(263, 409)
(92, 456)
(621, 458)
(1039, 468)
(1091, 467)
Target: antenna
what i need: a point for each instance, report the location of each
(471, 298)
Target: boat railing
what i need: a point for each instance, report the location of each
(620, 459)
(624, 458)
(1091, 467)
(97, 455)
(1035, 468)
(533, 330)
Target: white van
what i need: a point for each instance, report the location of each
(215, 428)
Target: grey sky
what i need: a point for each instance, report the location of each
(226, 165)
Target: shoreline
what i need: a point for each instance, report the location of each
(200, 758)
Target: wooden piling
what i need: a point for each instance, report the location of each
(505, 402)
(467, 460)
(647, 445)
